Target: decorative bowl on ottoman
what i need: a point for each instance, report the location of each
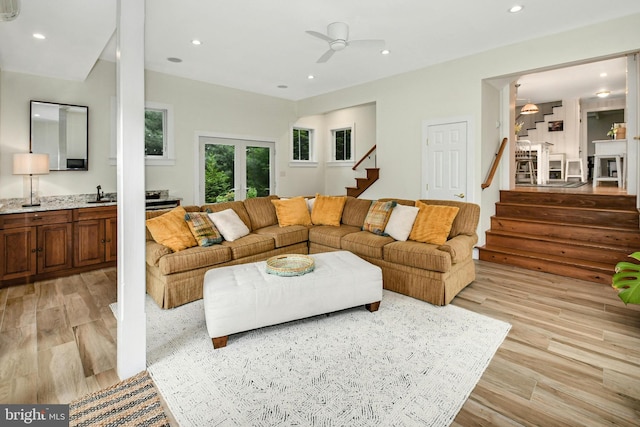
(290, 265)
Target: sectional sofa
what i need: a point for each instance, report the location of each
(430, 272)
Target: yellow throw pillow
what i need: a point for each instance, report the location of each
(292, 211)
(327, 210)
(433, 223)
(171, 230)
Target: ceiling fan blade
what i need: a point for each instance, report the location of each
(325, 57)
(320, 36)
(379, 44)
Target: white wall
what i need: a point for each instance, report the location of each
(196, 106)
(455, 89)
(16, 92)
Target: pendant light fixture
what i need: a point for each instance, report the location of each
(529, 109)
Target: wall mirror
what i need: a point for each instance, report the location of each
(61, 131)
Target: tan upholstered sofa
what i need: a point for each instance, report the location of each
(432, 273)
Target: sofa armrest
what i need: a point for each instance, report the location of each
(460, 247)
(155, 251)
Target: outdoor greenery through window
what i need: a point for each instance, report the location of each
(302, 144)
(342, 144)
(154, 132)
(219, 174)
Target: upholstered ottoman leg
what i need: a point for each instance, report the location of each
(374, 306)
(220, 342)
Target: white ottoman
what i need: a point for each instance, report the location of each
(242, 297)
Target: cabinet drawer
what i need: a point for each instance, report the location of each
(101, 212)
(34, 218)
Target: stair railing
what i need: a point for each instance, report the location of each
(371, 150)
(494, 165)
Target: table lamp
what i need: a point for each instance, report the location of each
(31, 165)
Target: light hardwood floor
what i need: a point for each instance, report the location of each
(572, 356)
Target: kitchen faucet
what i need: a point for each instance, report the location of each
(98, 197)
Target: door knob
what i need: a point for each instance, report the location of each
(461, 195)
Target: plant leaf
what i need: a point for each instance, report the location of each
(627, 278)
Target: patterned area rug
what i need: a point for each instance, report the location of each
(133, 402)
(408, 364)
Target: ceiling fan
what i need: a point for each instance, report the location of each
(338, 38)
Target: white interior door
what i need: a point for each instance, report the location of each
(445, 161)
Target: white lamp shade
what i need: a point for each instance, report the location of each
(30, 164)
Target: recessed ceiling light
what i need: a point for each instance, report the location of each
(311, 77)
(39, 36)
(603, 94)
(603, 74)
(282, 86)
(196, 42)
(385, 51)
(172, 59)
(515, 9)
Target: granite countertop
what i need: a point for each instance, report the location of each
(52, 203)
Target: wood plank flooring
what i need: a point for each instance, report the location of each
(572, 356)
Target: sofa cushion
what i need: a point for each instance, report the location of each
(330, 236)
(378, 216)
(365, 243)
(202, 228)
(236, 205)
(292, 211)
(154, 251)
(251, 244)
(433, 223)
(285, 236)
(466, 220)
(401, 222)
(419, 255)
(171, 230)
(261, 212)
(327, 210)
(194, 258)
(229, 224)
(355, 211)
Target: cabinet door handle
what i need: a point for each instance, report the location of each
(40, 249)
(108, 240)
(35, 218)
(34, 250)
(102, 241)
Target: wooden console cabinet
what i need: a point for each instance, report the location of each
(95, 235)
(39, 245)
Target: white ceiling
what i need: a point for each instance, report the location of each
(258, 45)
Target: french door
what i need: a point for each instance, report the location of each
(234, 169)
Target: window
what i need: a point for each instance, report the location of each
(342, 144)
(154, 132)
(302, 144)
(158, 134)
(302, 148)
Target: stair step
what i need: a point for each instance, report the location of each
(570, 215)
(561, 247)
(569, 267)
(625, 239)
(596, 201)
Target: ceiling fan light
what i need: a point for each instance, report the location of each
(529, 109)
(9, 9)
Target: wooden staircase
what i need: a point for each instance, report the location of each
(363, 183)
(574, 235)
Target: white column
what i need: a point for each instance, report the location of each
(131, 355)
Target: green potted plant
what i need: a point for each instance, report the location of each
(627, 280)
